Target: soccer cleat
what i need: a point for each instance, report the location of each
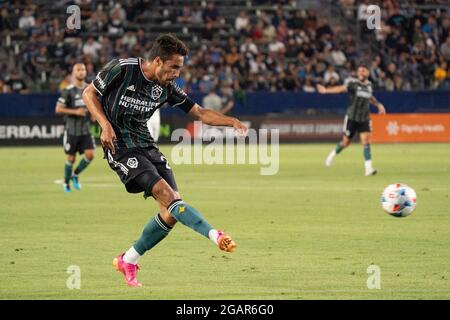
(75, 182)
(371, 172)
(330, 158)
(129, 270)
(67, 188)
(225, 242)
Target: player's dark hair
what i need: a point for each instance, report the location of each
(167, 45)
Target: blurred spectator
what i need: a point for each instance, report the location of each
(2, 86)
(282, 31)
(363, 14)
(129, 39)
(210, 14)
(91, 48)
(212, 101)
(277, 47)
(242, 21)
(118, 13)
(116, 24)
(248, 48)
(206, 84)
(15, 83)
(208, 31)
(269, 32)
(232, 57)
(26, 21)
(440, 74)
(309, 86)
(6, 22)
(338, 57)
(331, 76)
(445, 49)
(267, 48)
(185, 14)
(227, 99)
(67, 80)
(376, 73)
(98, 21)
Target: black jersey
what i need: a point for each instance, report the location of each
(360, 95)
(129, 99)
(71, 97)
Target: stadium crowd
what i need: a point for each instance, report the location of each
(269, 45)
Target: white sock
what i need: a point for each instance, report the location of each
(131, 256)
(368, 165)
(213, 234)
(330, 158)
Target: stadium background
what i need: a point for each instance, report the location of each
(304, 233)
(269, 54)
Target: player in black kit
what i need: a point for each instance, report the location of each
(130, 91)
(357, 118)
(77, 137)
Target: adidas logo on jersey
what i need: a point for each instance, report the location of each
(131, 88)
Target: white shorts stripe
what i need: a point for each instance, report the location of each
(117, 164)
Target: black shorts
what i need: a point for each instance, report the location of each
(74, 144)
(134, 162)
(351, 127)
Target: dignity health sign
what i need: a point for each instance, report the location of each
(408, 127)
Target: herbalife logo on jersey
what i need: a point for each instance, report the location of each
(137, 104)
(223, 145)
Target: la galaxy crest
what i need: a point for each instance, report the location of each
(156, 92)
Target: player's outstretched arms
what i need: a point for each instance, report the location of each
(379, 105)
(94, 106)
(215, 118)
(335, 89)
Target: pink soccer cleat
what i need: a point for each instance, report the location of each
(129, 270)
(225, 243)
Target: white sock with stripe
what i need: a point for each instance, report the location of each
(131, 256)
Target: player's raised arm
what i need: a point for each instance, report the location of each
(95, 108)
(215, 118)
(179, 98)
(379, 105)
(335, 89)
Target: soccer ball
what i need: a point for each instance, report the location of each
(399, 200)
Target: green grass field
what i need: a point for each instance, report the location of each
(308, 232)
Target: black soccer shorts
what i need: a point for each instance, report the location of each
(351, 127)
(134, 163)
(73, 144)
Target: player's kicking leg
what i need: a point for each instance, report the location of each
(344, 143)
(178, 210)
(173, 209)
(365, 141)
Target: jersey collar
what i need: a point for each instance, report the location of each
(142, 71)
